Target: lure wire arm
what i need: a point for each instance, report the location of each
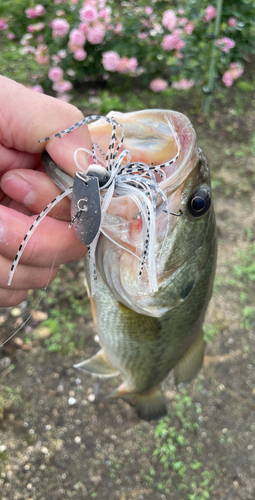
(33, 227)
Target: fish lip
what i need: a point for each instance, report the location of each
(189, 154)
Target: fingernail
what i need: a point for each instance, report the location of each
(16, 183)
(2, 231)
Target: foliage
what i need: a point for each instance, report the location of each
(243, 279)
(105, 41)
(176, 431)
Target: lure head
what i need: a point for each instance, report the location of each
(100, 173)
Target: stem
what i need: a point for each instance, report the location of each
(208, 98)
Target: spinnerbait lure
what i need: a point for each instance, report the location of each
(92, 193)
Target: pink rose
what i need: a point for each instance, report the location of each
(72, 46)
(96, 34)
(210, 13)
(40, 10)
(189, 28)
(55, 74)
(169, 19)
(122, 66)
(171, 42)
(118, 28)
(30, 13)
(225, 44)
(148, 10)
(36, 11)
(77, 37)
(142, 36)
(88, 14)
(227, 79)
(80, 54)
(11, 36)
(42, 55)
(35, 27)
(83, 27)
(60, 27)
(110, 60)
(37, 88)
(55, 59)
(182, 21)
(132, 64)
(3, 24)
(62, 86)
(236, 70)
(105, 13)
(158, 85)
(232, 22)
(183, 84)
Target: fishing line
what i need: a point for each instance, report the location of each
(43, 293)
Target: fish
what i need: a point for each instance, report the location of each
(148, 327)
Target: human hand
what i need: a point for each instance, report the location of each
(25, 117)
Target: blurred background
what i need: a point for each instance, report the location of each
(197, 58)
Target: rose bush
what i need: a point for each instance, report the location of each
(77, 41)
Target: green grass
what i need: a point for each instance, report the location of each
(210, 332)
(173, 436)
(20, 68)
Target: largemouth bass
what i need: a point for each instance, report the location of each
(146, 333)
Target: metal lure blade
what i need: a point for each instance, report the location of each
(86, 207)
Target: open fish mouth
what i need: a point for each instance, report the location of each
(151, 154)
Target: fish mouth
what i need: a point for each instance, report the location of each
(153, 137)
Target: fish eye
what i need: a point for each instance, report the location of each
(199, 202)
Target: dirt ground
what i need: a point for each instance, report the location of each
(55, 442)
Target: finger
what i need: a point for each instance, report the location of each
(35, 190)
(10, 298)
(52, 239)
(11, 158)
(29, 116)
(25, 277)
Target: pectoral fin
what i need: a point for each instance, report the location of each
(149, 405)
(192, 361)
(98, 365)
